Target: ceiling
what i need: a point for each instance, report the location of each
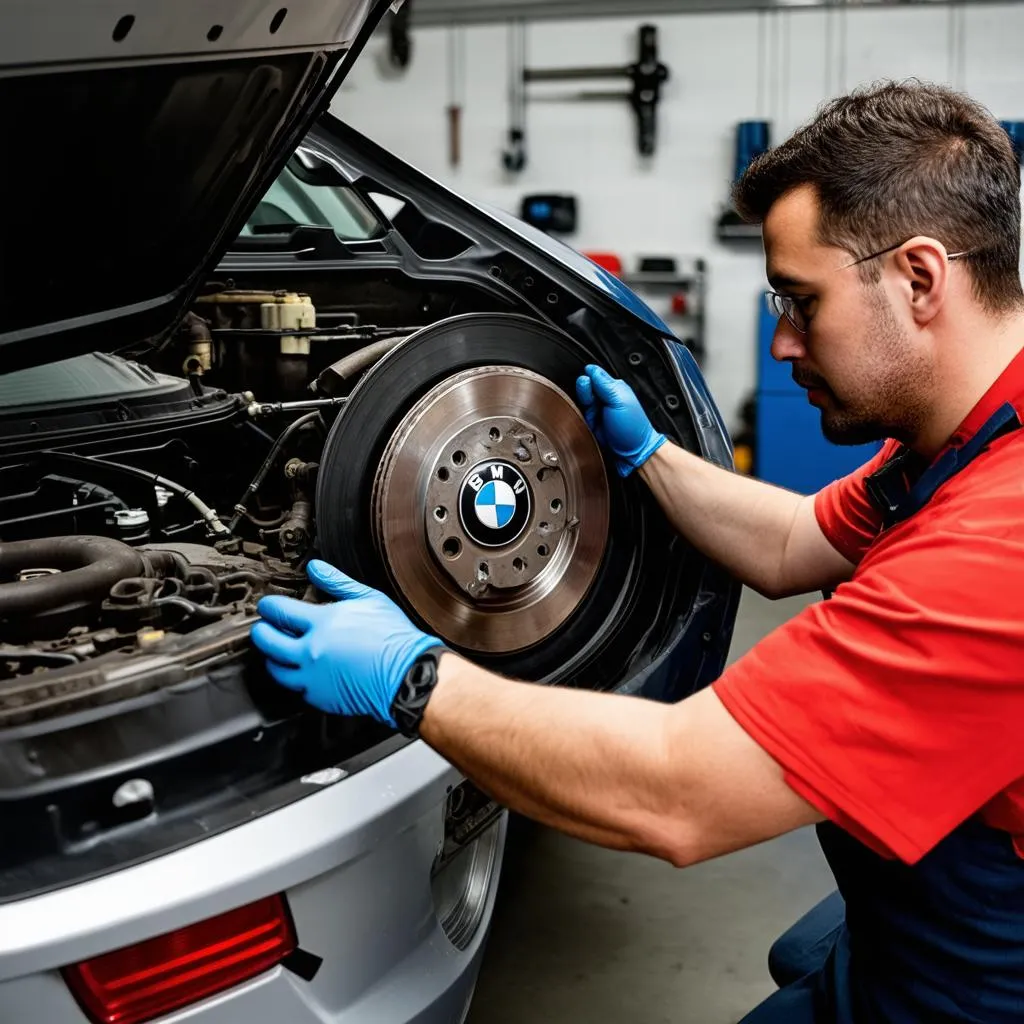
(447, 12)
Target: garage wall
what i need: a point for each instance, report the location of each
(724, 68)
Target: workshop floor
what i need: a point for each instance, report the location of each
(585, 934)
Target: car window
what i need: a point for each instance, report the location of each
(309, 192)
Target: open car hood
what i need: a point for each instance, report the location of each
(137, 139)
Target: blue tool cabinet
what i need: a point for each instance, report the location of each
(791, 451)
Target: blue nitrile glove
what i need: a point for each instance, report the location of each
(347, 658)
(614, 414)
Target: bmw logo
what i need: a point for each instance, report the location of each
(494, 503)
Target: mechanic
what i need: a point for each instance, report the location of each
(891, 714)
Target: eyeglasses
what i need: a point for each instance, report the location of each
(792, 306)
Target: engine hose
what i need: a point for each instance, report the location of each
(191, 497)
(261, 473)
(266, 524)
(89, 567)
(202, 611)
(362, 359)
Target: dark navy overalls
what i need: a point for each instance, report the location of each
(940, 941)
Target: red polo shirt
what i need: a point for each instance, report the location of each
(897, 707)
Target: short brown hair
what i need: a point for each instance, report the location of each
(895, 160)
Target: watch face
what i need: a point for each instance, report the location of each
(494, 503)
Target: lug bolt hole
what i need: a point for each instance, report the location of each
(458, 458)
(483, 571)
(518, 564)
(543, 527)
(442, 473)
(556, 504)
(542, 550)
(452, 547)
(440, 513)
(494, 434)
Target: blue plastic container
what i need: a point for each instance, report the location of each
(1015, 129)
(752, 139)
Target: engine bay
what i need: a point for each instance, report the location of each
(150, 500)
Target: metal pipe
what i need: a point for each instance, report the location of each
(240, 297)
(269, 408)
(572, 74)
(475, 12)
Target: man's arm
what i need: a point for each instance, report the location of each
(767, 537)
(683, 782)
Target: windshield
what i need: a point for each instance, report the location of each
(311, 193)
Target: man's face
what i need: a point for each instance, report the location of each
(857, 360)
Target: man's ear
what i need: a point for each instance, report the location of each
(924, 276)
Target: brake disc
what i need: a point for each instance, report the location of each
(491, 508)
(462, 478)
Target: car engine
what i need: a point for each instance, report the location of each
(118, 518)
(142, 516)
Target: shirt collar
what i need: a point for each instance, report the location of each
(1008, 387)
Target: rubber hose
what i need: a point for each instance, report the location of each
(89, 567)
(364, 358)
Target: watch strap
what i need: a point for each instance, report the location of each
(417, 685)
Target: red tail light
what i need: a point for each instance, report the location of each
(147, 980)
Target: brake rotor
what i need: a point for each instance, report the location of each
(443, 391)
(491, 508)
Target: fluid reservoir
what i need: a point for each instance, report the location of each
(131, 525)
(290, 311)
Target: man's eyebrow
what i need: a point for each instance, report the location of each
(785, 281)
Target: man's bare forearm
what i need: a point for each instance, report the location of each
(681, 782)
(741, 523)
(600, 776)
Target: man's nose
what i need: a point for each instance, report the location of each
(787, 342)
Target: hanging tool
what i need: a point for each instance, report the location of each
(456, 91)
(513, 158)
(647, 75)
(399, 41)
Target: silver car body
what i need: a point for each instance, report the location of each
(355, 862)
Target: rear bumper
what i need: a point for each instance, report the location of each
(355, 862)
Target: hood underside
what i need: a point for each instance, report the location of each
(136, 144)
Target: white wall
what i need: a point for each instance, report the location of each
(724, 68)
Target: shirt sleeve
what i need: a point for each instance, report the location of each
(895, 707)
(848, 519)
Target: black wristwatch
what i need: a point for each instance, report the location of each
(417, 685)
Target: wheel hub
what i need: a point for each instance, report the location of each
(492, 529)
(516, 522)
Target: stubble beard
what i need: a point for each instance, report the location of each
(894, 381)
